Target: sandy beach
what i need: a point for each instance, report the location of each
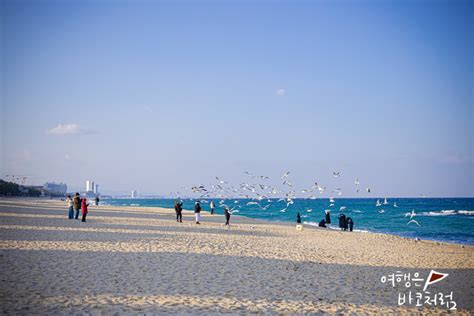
(141, 261)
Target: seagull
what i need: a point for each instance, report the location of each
(285, 175)
(382, 211)
(331, 200)
(283, 210)
(309, 210)
(413, 221)
(252, 203)
(356, 182)
(395, 204)
(336, 174)
(412, 214)
(368, 190)
(342, 208)
(220, 181)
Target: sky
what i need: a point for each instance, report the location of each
(158, 95)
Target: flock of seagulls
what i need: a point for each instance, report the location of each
(262, 193)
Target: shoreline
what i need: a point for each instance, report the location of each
(282, 222)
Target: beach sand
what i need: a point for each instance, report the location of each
(136, 260)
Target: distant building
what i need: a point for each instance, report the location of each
(53, 188)
(89, 186)
(96, 189)
(134, 194)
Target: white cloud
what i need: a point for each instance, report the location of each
(65, 129)
(280, 92)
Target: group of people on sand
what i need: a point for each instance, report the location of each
(76, 204)
(345, 223)
(178, 208)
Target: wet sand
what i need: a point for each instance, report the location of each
(141, 261)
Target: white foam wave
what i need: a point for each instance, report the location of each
(447, 213)
(334, 227)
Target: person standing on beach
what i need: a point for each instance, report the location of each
(298, 218)
(227, 216)
(84, 209)
(212, 207)
(328, 217)
(342, 222)
(350, 222)
(70, 206)
(97, 200)
(76, 201)
(178, 207)
(197, 212)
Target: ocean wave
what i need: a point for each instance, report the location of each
(447, 213)
(134, 204)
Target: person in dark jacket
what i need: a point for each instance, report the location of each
(197, 212)
(76, 203)
(342, 222)
(328, 217)
(322, 223)
(350, 222)
(298, 218)
(84, 209)
(97, 200)
(178, 207)
(227, 216)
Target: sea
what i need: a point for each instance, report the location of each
(440, 219)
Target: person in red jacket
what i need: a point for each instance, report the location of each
(84, 209)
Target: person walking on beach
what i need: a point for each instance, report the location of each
(212, 207)
(76, 201)
(227, 216)
(197, 212)
(298, 218)
(350, 222)
(178, 207)
(70, 207)
(97, 200)
(328, 217)
(84, 209)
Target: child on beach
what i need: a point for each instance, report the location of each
(70, 207)
(350, 222)
(84, 209)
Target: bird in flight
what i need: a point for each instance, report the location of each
(414, 221)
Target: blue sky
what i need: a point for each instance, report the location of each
(155, 95)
